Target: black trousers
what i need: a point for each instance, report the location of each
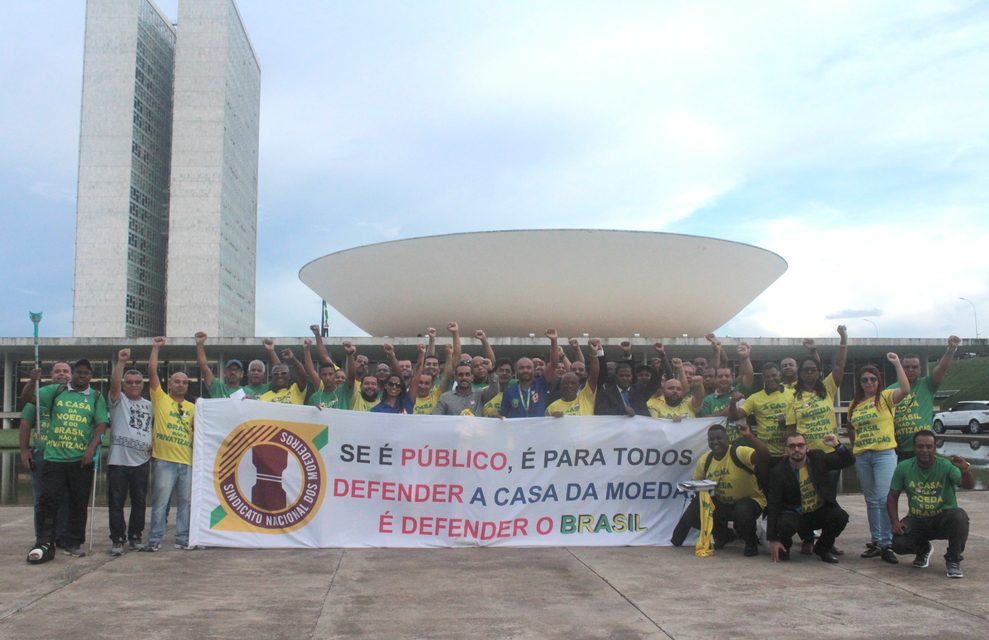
(950, 525)
(124, 482)
(830, 519)
(743, 513)
(72, 479)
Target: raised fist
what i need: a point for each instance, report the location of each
(200, 338)
(124, 355)
(158, 341)
(744, 350)
(453, 327)
(954, 341)
(480, 335)
(551, 334)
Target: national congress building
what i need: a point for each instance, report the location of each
(168, 171)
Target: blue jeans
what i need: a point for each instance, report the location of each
(875, 471)
(168, 478)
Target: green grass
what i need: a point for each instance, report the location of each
(970, 377)
(9, 438)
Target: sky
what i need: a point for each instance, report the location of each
(851, 138)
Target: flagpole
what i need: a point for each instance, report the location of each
(36, 320)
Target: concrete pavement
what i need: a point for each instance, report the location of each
(562, 592)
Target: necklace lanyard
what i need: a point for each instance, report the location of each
(525, 399)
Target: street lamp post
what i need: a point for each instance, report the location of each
(974, 315)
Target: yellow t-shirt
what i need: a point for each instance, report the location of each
(766, 409)
(874, 429)
(492, 408)
(810, 500)
(288, 395)
(734, 483)
(172, 432)
(358, 403)
(582, 405)
(659, 409)
(425, 406)
(813, 415)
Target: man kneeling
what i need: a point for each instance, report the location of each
(737, 497)
(801, 498)
(929, 481)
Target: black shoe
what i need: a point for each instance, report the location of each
(835, 550)
(923, 558)
(825, 555)
(806, 548)
(751, 548)
(784, 555)
(872, 550)
(889, 556)
(721, 541)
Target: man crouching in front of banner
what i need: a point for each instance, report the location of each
(801, 498)
(737, 497)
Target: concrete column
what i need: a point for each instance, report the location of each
(9, 374)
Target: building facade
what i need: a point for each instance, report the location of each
(168, 155)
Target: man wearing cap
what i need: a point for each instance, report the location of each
(77, 419)
(232, 372)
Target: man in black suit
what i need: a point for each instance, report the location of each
(800, 497)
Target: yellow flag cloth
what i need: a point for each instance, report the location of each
(705, 541)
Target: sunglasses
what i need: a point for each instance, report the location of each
(797, 445)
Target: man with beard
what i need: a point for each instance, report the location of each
(670, 403)
(528, 397)
(737, 496)
(463, 399)
(788, 366)
(801, 497)
(363, 393)
(929, 481)
(915, 410)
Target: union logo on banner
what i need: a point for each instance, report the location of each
(269, 476)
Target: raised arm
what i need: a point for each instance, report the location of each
(594, 371)
(811, 347)
(454, 330)
(300, 371)
(697, 393)
(719, 359)
(321, 352)
(431, 345)
(746, 374)
(680, 374)
(269, 346)
(390, 355)
(761, 450)
(311, 372)
(448, 367)
(485, 345)
(154, 382)
(420, 365)
(665, 371)
(117, 375)
(201, 361)
(901, 377)
(351, 351)
(578, 353)
(27, 392)
(937, 375)
(554, 356)
(842, 357)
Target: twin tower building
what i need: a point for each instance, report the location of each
(166, 226)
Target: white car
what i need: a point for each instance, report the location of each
(969, 416)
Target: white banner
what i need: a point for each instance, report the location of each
(269, 475)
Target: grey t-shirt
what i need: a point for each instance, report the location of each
(452, 403)
(130, 431)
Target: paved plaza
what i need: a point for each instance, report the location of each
(561, 592)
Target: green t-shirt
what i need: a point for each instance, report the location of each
(220, 390)
(30, 413)
(73, 416)
(929, 491)
(255, 392)
(339, 398)
(914, 412)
